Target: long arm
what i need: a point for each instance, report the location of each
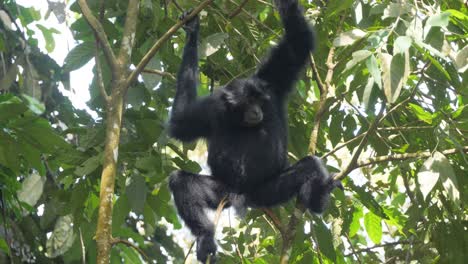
(189, 117)
(285, 61)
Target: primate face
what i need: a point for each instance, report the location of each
(247, 99)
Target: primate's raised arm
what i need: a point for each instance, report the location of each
(190, 116)
(285, 61)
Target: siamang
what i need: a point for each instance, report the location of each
(245, 126)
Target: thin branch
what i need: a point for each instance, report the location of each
(149, 55)
(369, 249)
(395, 157)
(237, 10)
(219, 210)
(188, 252)
(392, 129)
(128, 37)
(161, 73)
(352, 164)
(83, 249)
(100, 82)
(177, 6)
(344, 144)
(316, 75)
(290, 232)
(276, 221)
(258, 22)
(100, 33)
(115, 241)
(352, 249)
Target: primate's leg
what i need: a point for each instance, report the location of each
(192, 194)
(308, 179)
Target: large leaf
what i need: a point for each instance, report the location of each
(79, 56)
(373, 224)
(62, 237)
(396, 71)
(212, 44)
(349, 37)
(437, 168)
(31, 189)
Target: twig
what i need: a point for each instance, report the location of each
(218, 215)
(161, 73)
(395, 157)
(177, 5)
(378, 246)
(115, 241)
(237, 10)
(276, 221)
(353, 249)
(99, 78)
(344, 144)
(149, 55)
(188, 252)
(352, 164)
(83, 249)
(100, 33)
(220, 208)
(316, 75)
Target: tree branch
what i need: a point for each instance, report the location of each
(237, 10)
(395, 157)
(128, 37)
(100, 34)
(276, 221)
(369, 249)
(161, 73)
(100, 82)
(316, 75)
(362, 144)
(149, 55)
(115, 241)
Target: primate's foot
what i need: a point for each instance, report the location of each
(206, 247)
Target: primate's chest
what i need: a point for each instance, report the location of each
(247, 156)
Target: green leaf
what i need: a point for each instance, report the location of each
(136, 193)
(10, 106)
(373, 226)
(358, 56)
(88, 166)
(356, 222)
(349, 37)
(79, 56)
(438, 168)
(212, 44)
(402, 44)
(62, 237)
(325, 240)
(373, 67)
(4, 246)
(34, 105)
(151, 80)
(420, 113)
(48, 36)
(120, 212)
(31, 189)
(439, 20)
(395, 74)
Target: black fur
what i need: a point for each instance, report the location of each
(245, 125)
